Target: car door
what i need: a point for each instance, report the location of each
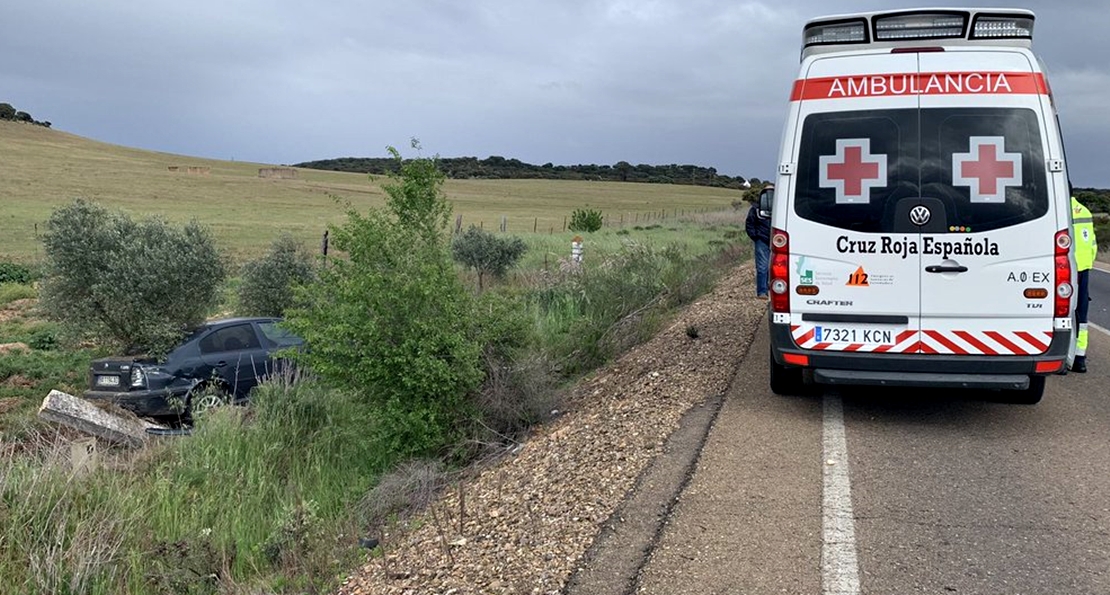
(236, 355)
(854, 258)
(987, 283)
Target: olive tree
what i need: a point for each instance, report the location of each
(135, 285)
(486, 253)
(268, 282)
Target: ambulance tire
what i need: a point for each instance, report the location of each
(785, 380)
(1031, 395)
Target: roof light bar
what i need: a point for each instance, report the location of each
(854, 31)
(920, 26)
(996, 27)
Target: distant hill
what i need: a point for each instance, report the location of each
(44, 168)
(495, 167)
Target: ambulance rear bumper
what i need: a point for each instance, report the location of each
(935, 370)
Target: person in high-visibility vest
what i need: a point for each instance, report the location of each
(1086, 248)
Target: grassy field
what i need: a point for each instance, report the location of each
(43, 168)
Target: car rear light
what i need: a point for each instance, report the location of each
(797, 359)
(1062, 301)
(1049, 367)
(138, 377)
(779, 277)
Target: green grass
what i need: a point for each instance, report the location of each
(697, 234)
(46, 168)
(27, 375)
(262, 499)
(10, 292)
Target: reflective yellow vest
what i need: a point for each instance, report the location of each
(1083, 230)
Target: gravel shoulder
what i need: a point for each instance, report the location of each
(528, 523)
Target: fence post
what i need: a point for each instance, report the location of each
(324, 244)
(535, 223)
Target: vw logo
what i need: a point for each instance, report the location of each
(920, 215)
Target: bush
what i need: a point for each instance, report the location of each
(611, 306)
(11, 272)
(585, 220)
(136, 285)
(391, 321)
(486, 253)
(44, 338)
(267, 284)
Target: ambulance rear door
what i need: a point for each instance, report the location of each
(987, 255)
(855, 277)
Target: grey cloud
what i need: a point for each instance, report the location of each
(578, 81)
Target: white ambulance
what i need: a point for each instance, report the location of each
(921, 214)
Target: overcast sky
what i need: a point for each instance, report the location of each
(700, 82)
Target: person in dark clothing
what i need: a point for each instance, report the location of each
(758, 227)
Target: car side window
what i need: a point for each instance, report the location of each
(232, 338)
(277, 336)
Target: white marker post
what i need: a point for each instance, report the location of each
(576, 250)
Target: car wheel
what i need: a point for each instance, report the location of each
(1031, 395)
(206, 397)
(786, 380)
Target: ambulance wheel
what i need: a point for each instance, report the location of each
(786, 380)
(1031, 395)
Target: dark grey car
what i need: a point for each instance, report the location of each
(217, 363)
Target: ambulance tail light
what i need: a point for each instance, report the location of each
(1062, 301)
(922, 25)
(1002, 27)
(1048, 367)
(796, 359)
(779, 273)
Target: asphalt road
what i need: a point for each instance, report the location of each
(897, 492)
(1099, 312)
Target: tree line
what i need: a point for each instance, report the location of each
(1095, 199)
(497, 167)
(8, 112)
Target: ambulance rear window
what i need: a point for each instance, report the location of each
(984, 164)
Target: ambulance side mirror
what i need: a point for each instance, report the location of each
(766, 199)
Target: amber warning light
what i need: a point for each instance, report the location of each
(1036, 293)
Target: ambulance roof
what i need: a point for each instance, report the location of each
(919, 27)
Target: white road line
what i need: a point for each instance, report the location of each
(1097, 328)
(839, 569)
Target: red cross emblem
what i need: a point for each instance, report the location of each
(853, 171)
(987, 169)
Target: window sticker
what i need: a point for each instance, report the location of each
(853, 171)
(987, 169)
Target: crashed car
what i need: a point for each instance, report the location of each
(216, 364)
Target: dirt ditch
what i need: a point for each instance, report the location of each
(602, 473)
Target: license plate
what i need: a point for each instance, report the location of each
(107, 380)
(856, 335)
